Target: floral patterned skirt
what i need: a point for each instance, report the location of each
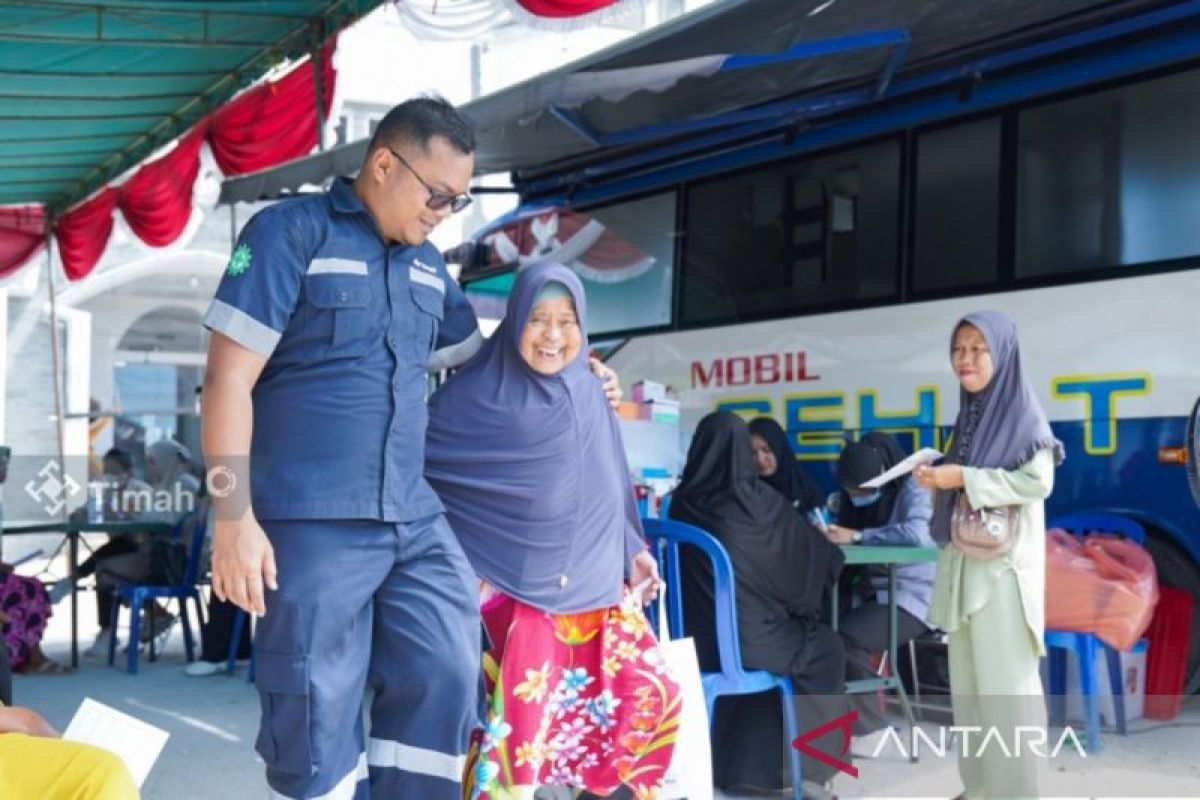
(580, 700)
(25, 602)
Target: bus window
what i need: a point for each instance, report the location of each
(801, 234)
(958, 206)
(623, 253)
(1110, 179)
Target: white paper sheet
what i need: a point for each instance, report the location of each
(137, 743)
(925, 455)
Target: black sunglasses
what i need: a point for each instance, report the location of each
(437, 200)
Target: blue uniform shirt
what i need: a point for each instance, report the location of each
(350, 327)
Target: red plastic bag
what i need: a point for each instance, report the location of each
(1099, 584)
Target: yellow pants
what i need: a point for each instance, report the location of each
(36, 768)
(995, 686)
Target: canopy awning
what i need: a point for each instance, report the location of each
(734, 63)
(90, 89)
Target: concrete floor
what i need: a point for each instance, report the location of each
(213, 722)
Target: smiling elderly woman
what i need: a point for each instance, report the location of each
(526, 455)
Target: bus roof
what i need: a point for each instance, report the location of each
(705, 67)
(735, 64)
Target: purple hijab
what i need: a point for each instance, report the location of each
(531, 467)
(1002, 426)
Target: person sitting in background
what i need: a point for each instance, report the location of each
(782, 568)
(169, 473)
(895, 515)
(777, 465)
(24, 613)
(127, 558)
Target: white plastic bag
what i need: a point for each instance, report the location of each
(690, 773)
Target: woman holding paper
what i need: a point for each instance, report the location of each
(1001, 458)
(895, 514)
(36, 763)
(526, 456)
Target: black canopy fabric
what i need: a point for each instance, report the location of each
(716, 61)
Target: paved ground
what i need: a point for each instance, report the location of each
(213, 722)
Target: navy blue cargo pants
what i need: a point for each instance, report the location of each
(361, 603)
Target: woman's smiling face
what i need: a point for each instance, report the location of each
(551, 338)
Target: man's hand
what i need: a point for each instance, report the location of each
(612, 381)
(839, 535)
(24, 720)
(944, 477)
(644, 569)
(242, 561)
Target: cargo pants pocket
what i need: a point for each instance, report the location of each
(285, 735)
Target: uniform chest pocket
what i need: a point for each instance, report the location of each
(429, 305)
(342, 307)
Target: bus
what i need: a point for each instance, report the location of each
(814, 276)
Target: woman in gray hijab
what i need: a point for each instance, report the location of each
(1002, 456)
(526, 456)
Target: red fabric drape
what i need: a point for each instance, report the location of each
(22, 235)
(270, 124)
(273, 124)
(157, 200)
(83, 232)
(563, 8)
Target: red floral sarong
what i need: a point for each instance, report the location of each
(581, 700)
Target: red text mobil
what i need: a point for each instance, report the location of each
(751, 370)
(815, 421)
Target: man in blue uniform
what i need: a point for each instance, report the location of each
(332, 309)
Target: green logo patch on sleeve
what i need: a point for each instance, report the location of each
(239, 262)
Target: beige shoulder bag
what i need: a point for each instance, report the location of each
(983, 533)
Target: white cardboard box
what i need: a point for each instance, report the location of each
(1133, 672)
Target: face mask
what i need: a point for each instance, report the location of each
(861, 501)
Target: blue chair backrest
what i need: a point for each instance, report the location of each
(195, 523)
(665, 537)
(1085, 523)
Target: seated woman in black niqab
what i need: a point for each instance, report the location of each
(783, 567)
(777, 465)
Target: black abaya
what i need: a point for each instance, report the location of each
(782, 570)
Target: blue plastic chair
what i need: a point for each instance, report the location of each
(665, 538)
(239, 620)
(1086, 645)
(135, 595)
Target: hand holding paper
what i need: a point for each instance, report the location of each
(926, 455)
(137, 743)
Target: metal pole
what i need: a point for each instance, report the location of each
(315, 26)
(60, 431)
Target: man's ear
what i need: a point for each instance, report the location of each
(379, 163)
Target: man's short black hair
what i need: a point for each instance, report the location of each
(418, 120)
(123, 459)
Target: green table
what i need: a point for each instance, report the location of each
(72, 530)
(890, 557)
